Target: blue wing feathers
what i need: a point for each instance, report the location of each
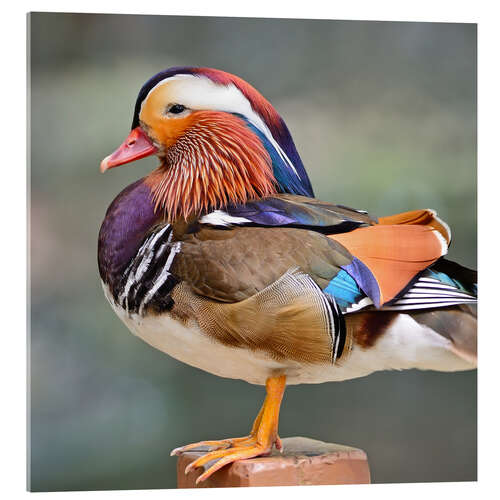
(431, 289)
(290, 211)
(344, 289)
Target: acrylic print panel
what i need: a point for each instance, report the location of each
(383, 115)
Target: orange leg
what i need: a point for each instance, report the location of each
(263, 436)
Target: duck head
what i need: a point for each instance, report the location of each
(218, 139)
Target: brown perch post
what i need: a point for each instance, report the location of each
(304, 461)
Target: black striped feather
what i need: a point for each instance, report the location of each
(429, 292)
(147, 281)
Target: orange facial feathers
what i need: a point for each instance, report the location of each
(215, 160)
(394, 254)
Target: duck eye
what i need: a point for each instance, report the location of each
(176, 109)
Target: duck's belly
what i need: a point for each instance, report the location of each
(187, 343)
(404, 345)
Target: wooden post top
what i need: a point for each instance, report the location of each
(304, 461)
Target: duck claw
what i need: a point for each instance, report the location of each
(212, 445)
(226, 457)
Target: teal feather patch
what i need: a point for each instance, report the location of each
(344, 289)
(444, 278)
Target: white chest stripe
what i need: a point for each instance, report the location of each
(165, 274)
(147, 253)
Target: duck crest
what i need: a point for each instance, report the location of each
(288, 169)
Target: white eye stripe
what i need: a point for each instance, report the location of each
(200, 93)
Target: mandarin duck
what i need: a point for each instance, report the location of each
(223, 259)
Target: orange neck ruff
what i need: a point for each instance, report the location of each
(216, 161)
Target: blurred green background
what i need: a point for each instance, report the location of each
(384, 116)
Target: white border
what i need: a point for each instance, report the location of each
(384, 10)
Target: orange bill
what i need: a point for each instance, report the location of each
(136, 146)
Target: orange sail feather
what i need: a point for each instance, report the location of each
(394, 254)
